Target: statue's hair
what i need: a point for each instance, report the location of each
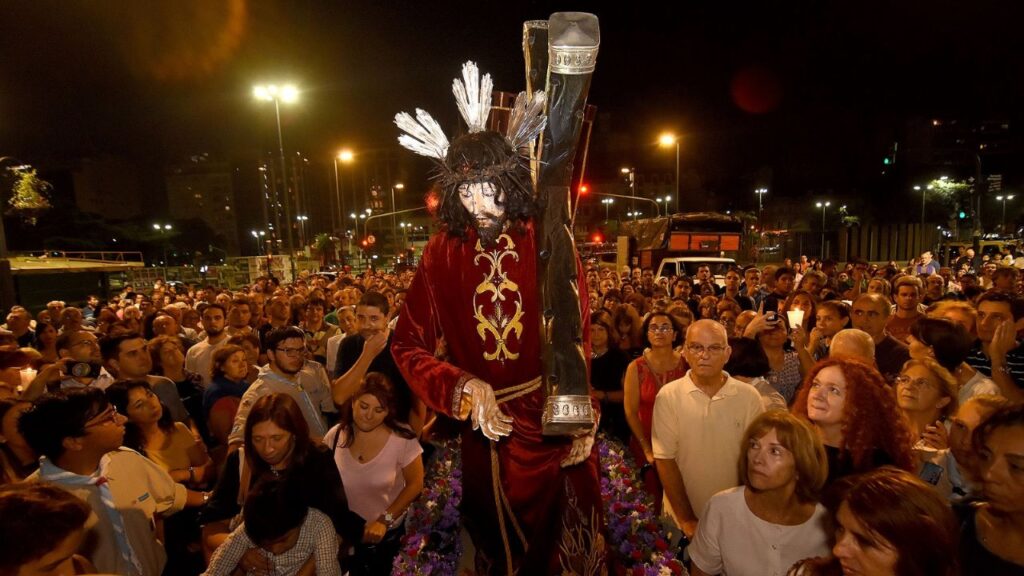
(484, 157)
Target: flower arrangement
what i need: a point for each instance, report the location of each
(432, 543)
(635, 534)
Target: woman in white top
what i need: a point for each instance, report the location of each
(773, 520)
(382, 469)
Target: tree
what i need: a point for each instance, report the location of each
(30, 195)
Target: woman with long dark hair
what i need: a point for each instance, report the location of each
(607, 369)
(46, 342)
(645, 376)
(277, 443)
(381, 466)
(151, 430)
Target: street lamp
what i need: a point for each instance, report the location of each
(607, 204)
(301, 219)
(666, 200)
(630, 174)
(163, 229)
(823, 206)
(394, 228)
(1003, 199)
(669, 139)
(345, 157)
(288, 94)
(760, 205)
(258, 235)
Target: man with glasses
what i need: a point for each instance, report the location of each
(699, 421)
(81, 364)
(78, 434)
(288, 373)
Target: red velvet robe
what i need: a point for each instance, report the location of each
(484, 301)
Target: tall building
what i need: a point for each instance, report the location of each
(202, 187)
(109, 186)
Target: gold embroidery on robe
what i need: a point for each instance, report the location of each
(504, 324)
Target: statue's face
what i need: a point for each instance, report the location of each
(481, 200)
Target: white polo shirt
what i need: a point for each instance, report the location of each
(703, 434)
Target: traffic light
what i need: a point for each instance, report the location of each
(584, 189)
(597, 238)
(887, 161)
(961, 215)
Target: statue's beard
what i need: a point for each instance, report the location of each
(490, 228)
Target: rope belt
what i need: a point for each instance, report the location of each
(500, 500)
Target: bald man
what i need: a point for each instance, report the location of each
(699, 421)
(853, 343)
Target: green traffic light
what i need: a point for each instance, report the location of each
(886, 161)
(963, 214)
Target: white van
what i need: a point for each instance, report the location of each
(678, 266)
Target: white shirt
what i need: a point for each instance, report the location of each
(732, 540)
(703, 434)
(332, 351)
(199, 359)
(978, 384)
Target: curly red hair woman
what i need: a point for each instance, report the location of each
(853, 411)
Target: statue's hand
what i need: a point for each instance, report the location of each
(484, 410)
(581, 447)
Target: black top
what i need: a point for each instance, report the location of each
(348, 353)
(840, 464)
(318, 479)
(606, 373)
(890, 356)
(975, 559)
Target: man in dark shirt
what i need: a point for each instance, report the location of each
(869, 313)
(784, 278)
(369, 350)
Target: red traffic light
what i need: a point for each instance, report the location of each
(584, 189)
(597, 238)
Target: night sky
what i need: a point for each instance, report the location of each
(807, 91)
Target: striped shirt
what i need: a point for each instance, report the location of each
(1014, 362)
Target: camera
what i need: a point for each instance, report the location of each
(85, 369)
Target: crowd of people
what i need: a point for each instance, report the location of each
(808, 418)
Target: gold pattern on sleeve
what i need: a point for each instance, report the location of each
(494, 315)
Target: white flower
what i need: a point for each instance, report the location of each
(430, 504)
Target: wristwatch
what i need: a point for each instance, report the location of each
(389, 520)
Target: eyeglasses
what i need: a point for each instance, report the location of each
(87, 342)
(664, 329)
(699, 350)
(108, 416)
(922, 383)
(291, 351)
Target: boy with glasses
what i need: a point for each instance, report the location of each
(288, 373)
(79, 434)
